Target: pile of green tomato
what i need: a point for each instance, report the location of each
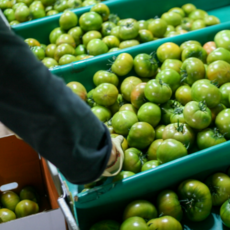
(14, 206)
(168, 105)
(98, 32)
(25, 10)
(193, 200)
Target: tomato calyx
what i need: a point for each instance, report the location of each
(153, 58)
(214, 83)
(128, 25)
(179, 127)
(202, 105)
(217, 134)
(178, 111)
(111, 63)
(113, 18)
(161, 82)
(184, 75)
(187, 203)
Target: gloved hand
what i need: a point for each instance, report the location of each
(116, 160)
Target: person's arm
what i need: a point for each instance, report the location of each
(44, 112)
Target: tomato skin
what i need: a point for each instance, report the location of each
(90, 21)
(223, 123)
(157, 92)
(219, 186)
(140, 208)
(170, 77)
(128, 85)
(111, 41)
(168, 204)
(134, 222)
(145, 65)
(102, 10)
(150, 165)
(122, 121)
(152, 150)
(219, 54)
(192, 70)
(157, 27)
(188, 8)
(189, 43)
(216, 110)
(150, 113)
(198, 14)
(209, 47)
(159, 131)
(197, 115)
(183, 94)
(219, 72)
(198, 24)
(26, 208)
(123, 64)
(49, 62)
(141, 135)
(128, 31)
(194, 51)
(78, 89)
(197, 199)
(103, 76)
(222, 39)
(225, 213)
(145, 36)
(90, 35)
(106, 225)
(6, 215)
(204, 90)
(180, 132)
(128, 43)
(172, 18)
(128, 107)
(208, 138)
(164, 223)
(168, 50)
(170, 150)
(133, 160)
(96, 47)
(137, 96)
(172, 64)
(225, 91)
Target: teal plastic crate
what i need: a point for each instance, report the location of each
(109, 200)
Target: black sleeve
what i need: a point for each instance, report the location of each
(39, 107)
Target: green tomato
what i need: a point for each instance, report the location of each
(137, 96)
(204, 90)
(103, 76)
(223, 122)
(96, 47)
(134, 222)
(66, 59)
(194, 50)
(198, 14)
(198, 24)
(9, 14)
(38, 51)
(222, 39)
(37, 12)
(183, 94)
(22, 13)
(80, 50)
(111, 41)
(61, 6)
(55, 34)
(170, 77)
(9, 200)
(163, 223)
(211, 20)
(145, 65)
(168, 109)
(141, 135)
(159, 131)
(113, 50)
(197, 115)
(180, 132)
(128, 107)
(188, 43)
(170, 150)
(87, 37)
(177, 115)
(187, 24)
(188, 8)
(52, 12)
(158, 27)
(145, 36)
(14, 22)
(90, 21)
(78, 89)
(168, 204)
(122, 175)
(102, 113)
(107, 28)
(66, 39)
(115, 31)
(197, 199)
(150, 113)
(178, 10)
(6, 215)
(152, 150)
(123, 64)
(26, 208)
(157, 91)
(102, 10)
(62, 50)
(192, 70)
(122, 122)
(150, 165)
(140, 208)
(172, 18)
(219, 54)
(114, 18)
(172, 64)
(128, 43)
(225, 91)
(133, 160)
(219, 72)
(49, 62)
(50, 50)
(76, 33)
(225, 212)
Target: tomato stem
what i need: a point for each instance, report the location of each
(202, 106)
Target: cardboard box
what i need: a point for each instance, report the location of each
(21, 164)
